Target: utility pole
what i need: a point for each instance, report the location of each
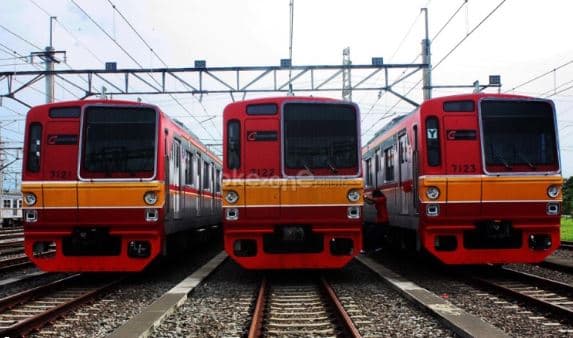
(346, 79)
(427, 60)
(48, 56)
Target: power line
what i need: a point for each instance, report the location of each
(449, 20)
(540, 76)
(107, 34)
(19, 37)
(468, 34)
(165, 64)
(417, 56)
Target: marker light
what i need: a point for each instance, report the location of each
(150, 197)
(433, 193)
(30, 199)
(231, 196)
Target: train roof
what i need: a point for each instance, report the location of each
(458, 97)
(290, 98)
(129, 102)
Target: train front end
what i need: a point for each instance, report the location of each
(292, 185)
(93, 200)
(490, 191)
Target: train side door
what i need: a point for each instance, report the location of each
(60, 166)
(463, 163)
(199, 197)
(262, 153)
(404, 174)
(175, 179)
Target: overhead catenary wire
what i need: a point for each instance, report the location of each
(444, 58)
(468, 34)
(537, 77)
(20, 37)
(165, 64)
(447, 23)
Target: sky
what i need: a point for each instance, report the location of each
(525, 42)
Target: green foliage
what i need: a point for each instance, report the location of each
(566, 229)
(568, 196)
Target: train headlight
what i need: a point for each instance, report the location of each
(353, 195)
(433, 193)
(30, 199)
(231, 196)
(150, 197)
(553, 191)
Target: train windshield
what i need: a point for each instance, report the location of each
(119, 142)
(519, 136)
(320, 139)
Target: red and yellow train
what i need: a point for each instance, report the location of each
(471, 179)
(106, 183)
(292, 183)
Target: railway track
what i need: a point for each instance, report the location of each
(550, 295)
(11, 235)
(29, 310)
(14, 261)
(566, 245)
(301, 309)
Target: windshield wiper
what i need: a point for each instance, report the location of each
(307, 168)
(332, 168)
(503, 161)
(523, 158)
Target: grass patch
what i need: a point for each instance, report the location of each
(566, 229)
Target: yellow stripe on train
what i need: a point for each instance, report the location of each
(93, 194)
(253, 192)
(490, 188)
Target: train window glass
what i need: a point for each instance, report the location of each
(234, 144)
(459, 106)
(433, 141)
(206, 176)
(376, 168)
(218, 180)
(519, 135)
(119, 142)
(34, 147)
(189, 172)
(262, 109)
(321, 136)
(199, 173)
(65, 112)
(389, 164)
(368, 172)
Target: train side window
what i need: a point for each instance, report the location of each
(34, 147)
(368, 172)
(218, 180)
(189, 172)
(389, 164)
(206, 176)
(433, 141)
(199, 173)
(234, 144)
(376, 168)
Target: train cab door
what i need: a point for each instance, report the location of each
(60, 170)
(463, 163)
(262, 153)
(404, 174)
(199, 197)
(176, 192)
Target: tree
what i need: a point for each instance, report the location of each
(568, 196)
